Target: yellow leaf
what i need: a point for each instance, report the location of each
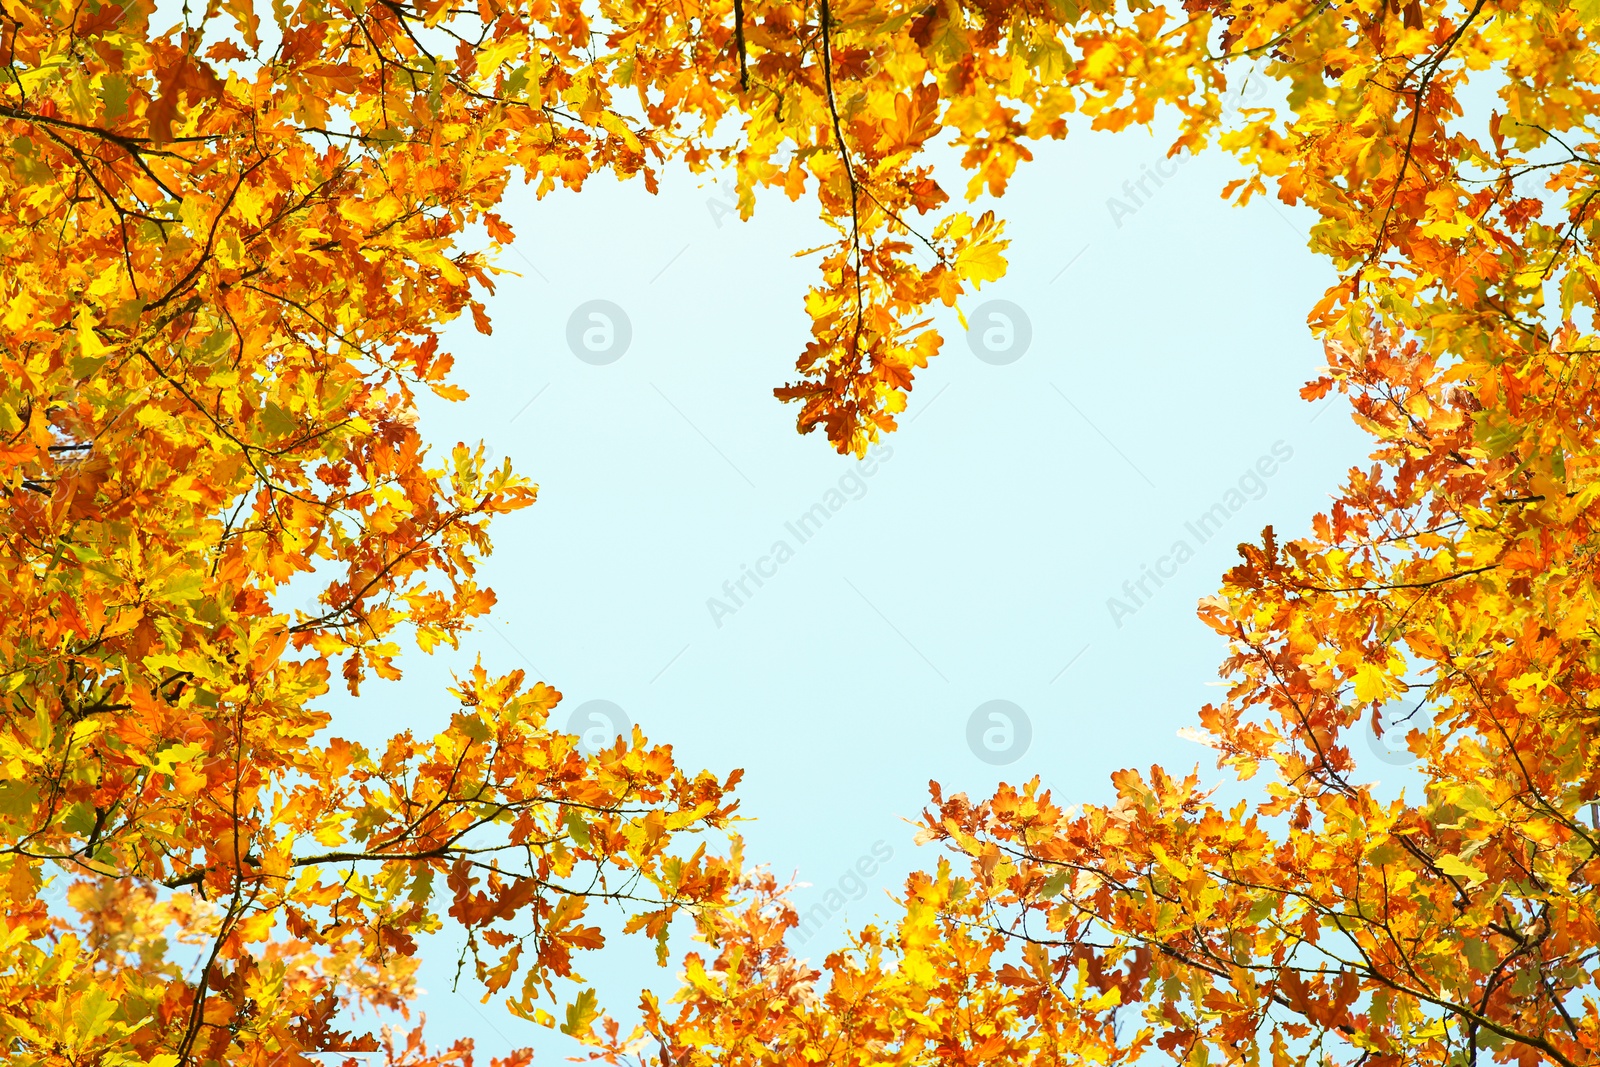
(1371, 683)
(89, 344)
(1456, 867)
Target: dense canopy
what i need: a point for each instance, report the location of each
(231, 236)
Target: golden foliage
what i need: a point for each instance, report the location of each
(228, 250)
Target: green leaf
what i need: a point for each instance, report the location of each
(1054, 884)
(472, 726)
(170, 757)
(581, 1015)
(17, 798)
(1455, 867)
(185, 586)
(1479, 954)
(577, 827)
(114, 95)
(277, 420)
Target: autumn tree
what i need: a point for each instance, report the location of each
(231, 237)
(229, 247)
(1449, 152)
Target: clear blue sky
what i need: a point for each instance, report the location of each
(975, 564)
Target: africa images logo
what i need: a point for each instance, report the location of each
(850, 486)
(1203, 528)
(851, 885)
